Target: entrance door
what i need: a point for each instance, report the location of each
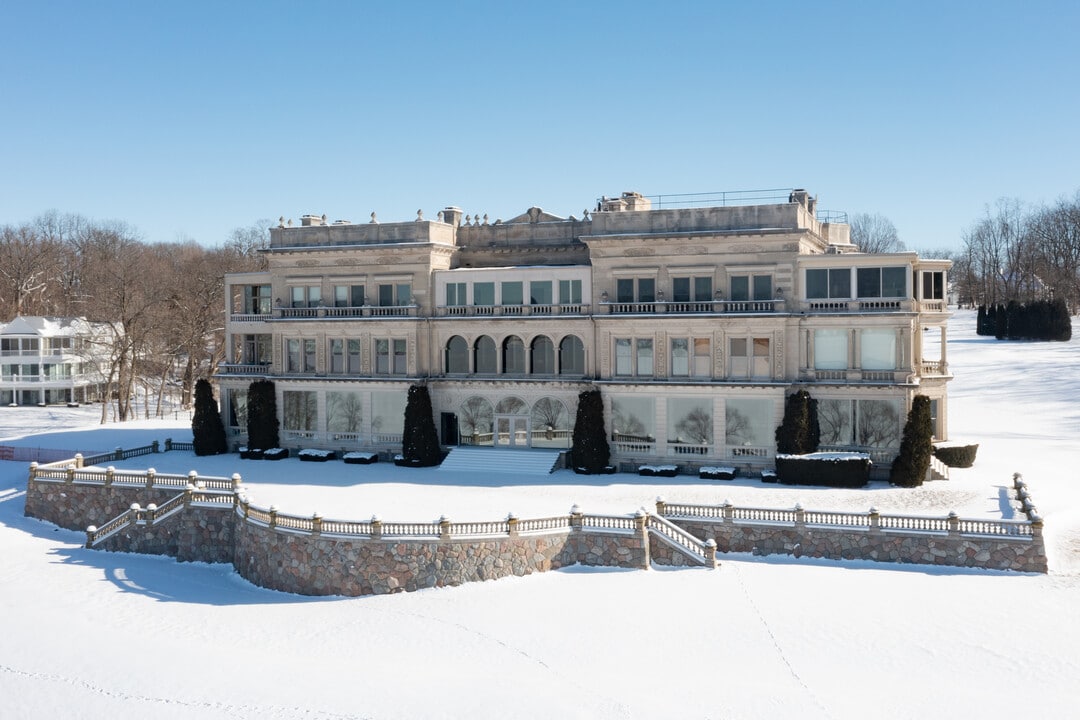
(512, 430)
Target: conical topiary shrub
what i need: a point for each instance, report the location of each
(916, 446)
(420, 441)
(799, 432)
(262, 416)
(207, 430)
(590, 449)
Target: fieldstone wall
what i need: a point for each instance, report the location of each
(76, 505)
(197, 533)
(884, 545)
(322, 565)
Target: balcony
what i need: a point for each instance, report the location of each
(547, 310)
(856, 375)
(244, 368)
(873, 305)
(327, 313)
(715, 307)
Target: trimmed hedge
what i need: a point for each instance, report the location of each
(658, 470)
(842, 470)
(275, 454)
(359, 458)
(718, 473)
(957, 456)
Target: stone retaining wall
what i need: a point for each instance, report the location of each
(1025, 554)
(76, 505)
(193, 534)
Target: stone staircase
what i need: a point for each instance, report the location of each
(937, 470)
(496, 460)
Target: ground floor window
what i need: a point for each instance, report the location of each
(343, 412)
(864, 423)
(388, 415)
(299, 410)
(690, 425)
(749, 426)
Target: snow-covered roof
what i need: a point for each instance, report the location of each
(46, 326)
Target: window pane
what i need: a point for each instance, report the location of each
(543, 356)
(341, 296)
(514, 355)
(299, 410)
(298, 299)
(624, 290)
(400, 364)
(357, 295)
(388, 412)
(894, 282)
(738, 347)
(761, 347)
(486, 358)
(623, 358)
(457, 355)
(763, 287)
(834, 419)
(646, 290)
(680, 356)
(840, 283)
(831, 349)
(680, 289)
(570, 292)
(309, 356)
(382, 356)
(817, 284)
(644, 357)
(690, 421)
(740, 288)
(748, 422)
(343, 412)
(633, 418)
(484, 293)
(386, 295)
(540, 292)
(868, 282)
(571, 356)
(337, 356)
(703, 289)
(878, 348)
(404, 294)
(512, 293)
(878, 423)
(314, 296)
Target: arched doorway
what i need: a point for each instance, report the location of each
(512, 423)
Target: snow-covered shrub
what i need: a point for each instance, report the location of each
(831, 469)
(957, 456)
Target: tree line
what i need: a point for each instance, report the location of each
(162, 304)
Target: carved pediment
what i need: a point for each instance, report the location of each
(535, 215)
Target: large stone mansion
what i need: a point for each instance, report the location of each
(694, 322)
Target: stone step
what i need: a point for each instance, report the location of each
(497, 460)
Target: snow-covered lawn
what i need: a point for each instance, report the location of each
(93, 635)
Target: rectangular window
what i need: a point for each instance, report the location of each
(890, 282)
(343, 412)
(646, 290)
(353, 359)
(309, 356)
(740, 288)
(642, 290)
(832, 284)
(540, 292)
(395, 294)
(624, 290)
(878, 348)
(645, 356)
(484, 294)
(690, 422)
(455, 295)
(300, 410)
(348, 296)
(680, 289)
(624, 361)
(703, 291)
(633, 419)
(817, 284)
(748, 423)
(569, 292)
(292, 356)
(763, 287)
(257, 299)
(831, 349)
(512, 293)
(933, 286)
(382, 356)
(337, 356)
(702, 357)
(390, 356)
(840, 283)
(697, 289)
(680, 357)
(400, 364)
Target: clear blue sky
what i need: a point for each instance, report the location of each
(190, 119)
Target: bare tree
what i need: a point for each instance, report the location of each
(696, 426)
(874, 233)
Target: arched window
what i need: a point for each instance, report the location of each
(457, 355)
(543, 356)
(513, 356)
(485, 359)
(571, 356)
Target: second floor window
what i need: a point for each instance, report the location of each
(540, 292)
(834, 284)
(255, 349)
(483, 294)
(455, 295)
(751, 287)
(512, 293)
(345, 356)
(395, 294)
(300, 355)
(634, 356)
(305, 296)
(348, 296)
(390, 356)
(570, 292)
(642, 290)
(691, 289)
(933, 286)
(691, 356)
(257, 299)
(883, 282)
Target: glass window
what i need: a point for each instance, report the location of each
(299, 296)
(485, 359)
(348, 296)
(840, 283)
(624, 361)
(680, 356)
(868, 282)
(455, 294)
(690, 421)
(353, 348)
(831, 349)
(343, 412)
(748, 423)
(680, 289)
(878, 423)
(817, 284)
(761, 347)
(646, 290)
(933, 286)
(388, 412)
(309, 356)
(633, 419)
(457, 355)
(644, 356)
(484, 293)
(386, 295)
(382, 356)
(703, 289)
(740, 288)
(543, 356)
(237, 408)
(624, 290)
(763, 287)
(292, 355)
(894, 282)
(513, 355)
(299, 409)
(400, 358)
(475, 418)
(835, 421)
(570, 292)
(738, 347)
(540, 292)
(702, 357)
(337, 356)
(571, 356)
(512, 293)
(404, 293)
(878, 348)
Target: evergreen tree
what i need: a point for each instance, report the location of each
(1060, 324)
(916, 446)
(590, 449)
(420, 442)
(207, 430)
(799, 432)
(262, 416)
(980, 321)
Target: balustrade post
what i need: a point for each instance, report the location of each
(33, 470)
(444, 527)
(151, 511)
(193, 478)
(1036, 527)
(110, 476)
(661, 507)
(576, 519)
(875, 520)
(376, 527)
(133, 514)
(69, 477)
(729, 511)
(189, 491)
(273, 516)
(78, 460)
(710, 553)
(236, 482)
(800, 515)
(154, 446)
(316, 525)
(91, 530)
(954, 524)
(512, 524)
(168, 444)
(118, 454)
(151, 475)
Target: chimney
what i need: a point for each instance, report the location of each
(451, 215)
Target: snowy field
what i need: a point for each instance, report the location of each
(90, 634)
